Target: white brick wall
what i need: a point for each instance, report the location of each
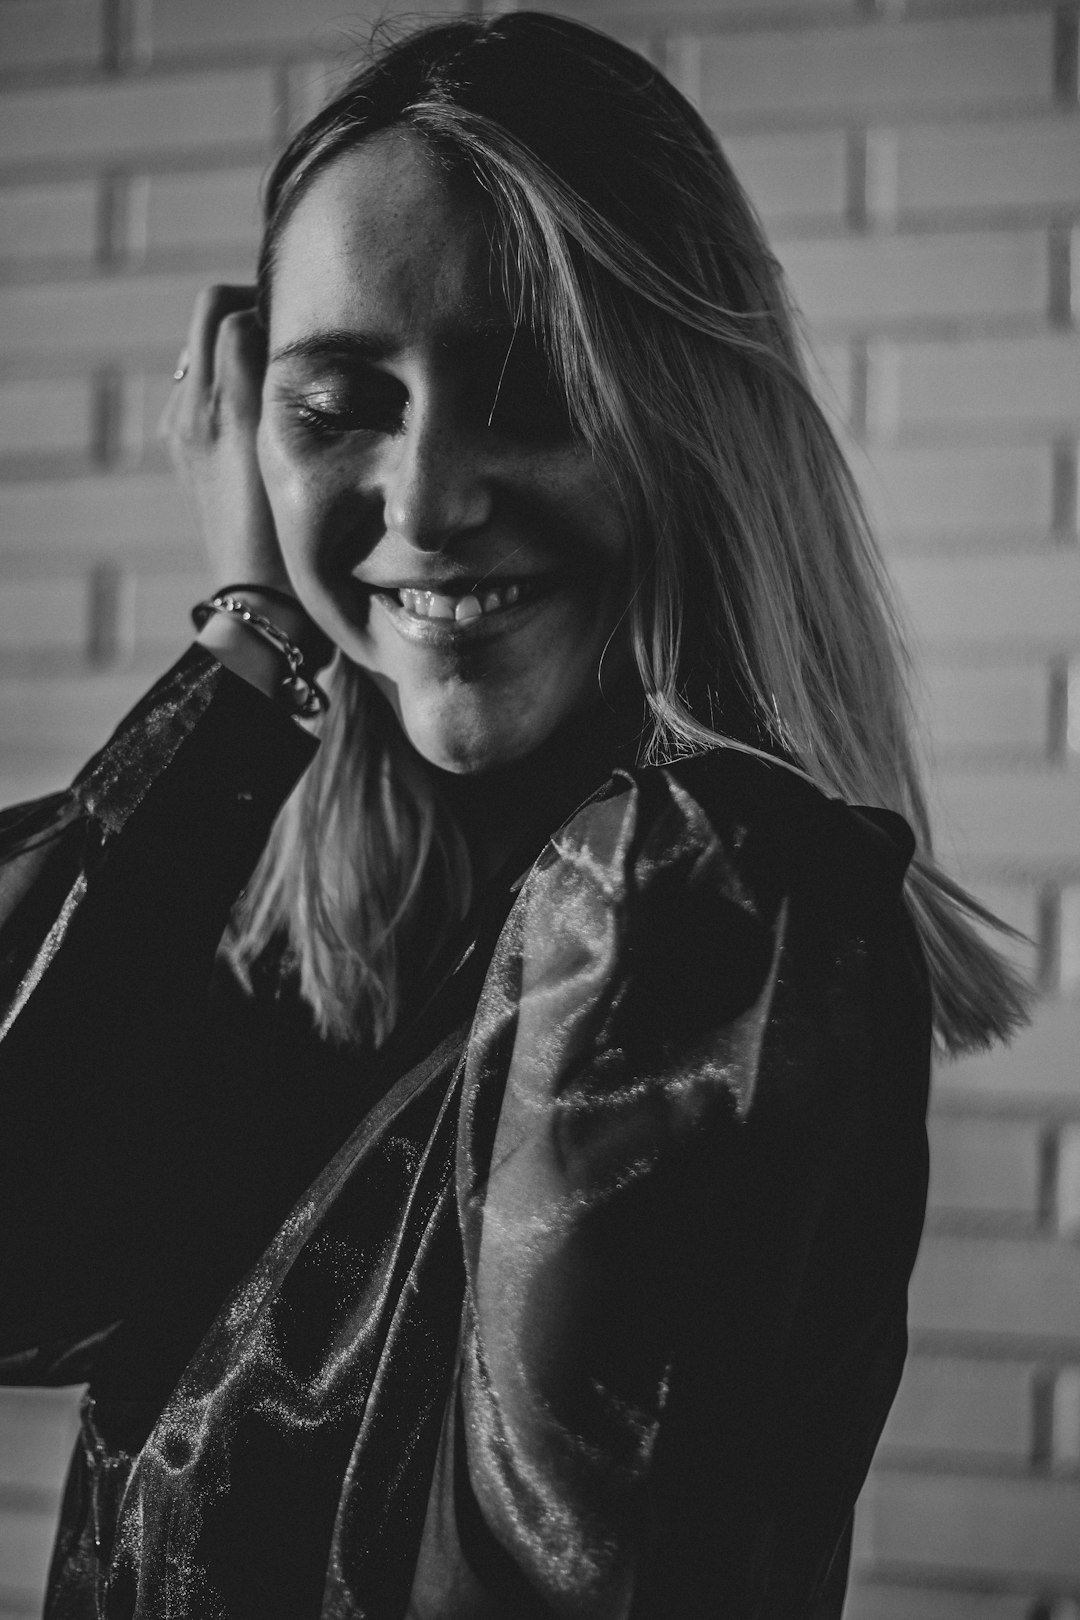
(820, 72)
(113, 121)
(50, 33)
(1019, 165)
(57, 222)
(994, 388)
(979, 1410)
(918, 165)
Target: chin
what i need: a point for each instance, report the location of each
(467, 755)
(471, 744)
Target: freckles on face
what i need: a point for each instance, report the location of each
(438, 516)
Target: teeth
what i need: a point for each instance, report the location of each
(462, 609)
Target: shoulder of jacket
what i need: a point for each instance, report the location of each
(773, 823)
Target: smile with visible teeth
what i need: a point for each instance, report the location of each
(473, 605)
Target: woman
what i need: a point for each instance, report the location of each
(507, 1208)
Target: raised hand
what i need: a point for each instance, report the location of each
(209, 428)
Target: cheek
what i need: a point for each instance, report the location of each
(310, 499)
(595, 511)
(285, 488)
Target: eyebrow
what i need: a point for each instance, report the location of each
(335, 345)
(345, 344)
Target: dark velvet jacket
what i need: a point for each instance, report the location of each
(585, 1297)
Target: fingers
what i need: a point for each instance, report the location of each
(209, 429)
(219, 374)
(212, 307)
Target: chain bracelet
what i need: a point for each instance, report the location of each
(306, 696)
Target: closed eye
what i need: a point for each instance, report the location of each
(369, 401)
(328, 422)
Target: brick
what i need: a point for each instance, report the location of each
(1010, 1286)
(26, 1538)
(987, 711)
(876, 69)
(969, 1525)
(1069, 976)
(120, 315)
(128, 516)
(37, 1431)
(132, 120)
(162, 607)
(897, 281)
(1021, 164)
(1017, 385)
(1012, 818)
(976, 1408)
(1069, 968)
(984, 1167)
(1025, 602)
(42, 418)
(1065, 1415)
(29, 771)
(44, 615)
(50, 33)
(130, 442)
(960, 495)
(69, 716)
(48, 222)
(872, 1600)
(1039, 1070)
(145, 398)
(793, 177)
(177, 27)
(53, 616)
(1068, 1182)
(187, 211)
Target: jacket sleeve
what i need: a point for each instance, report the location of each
(113, 897)
(652, 1133)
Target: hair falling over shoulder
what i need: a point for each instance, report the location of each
(760, 614)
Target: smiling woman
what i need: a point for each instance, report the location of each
(467, 1034)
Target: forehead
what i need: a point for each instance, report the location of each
(386, 242)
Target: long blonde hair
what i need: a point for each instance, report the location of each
(760, 614)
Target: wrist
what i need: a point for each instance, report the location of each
(246, 655)
(286, 611)
(273, 661)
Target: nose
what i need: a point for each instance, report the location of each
(437, 479)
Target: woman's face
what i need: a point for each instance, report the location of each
(436, 516)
